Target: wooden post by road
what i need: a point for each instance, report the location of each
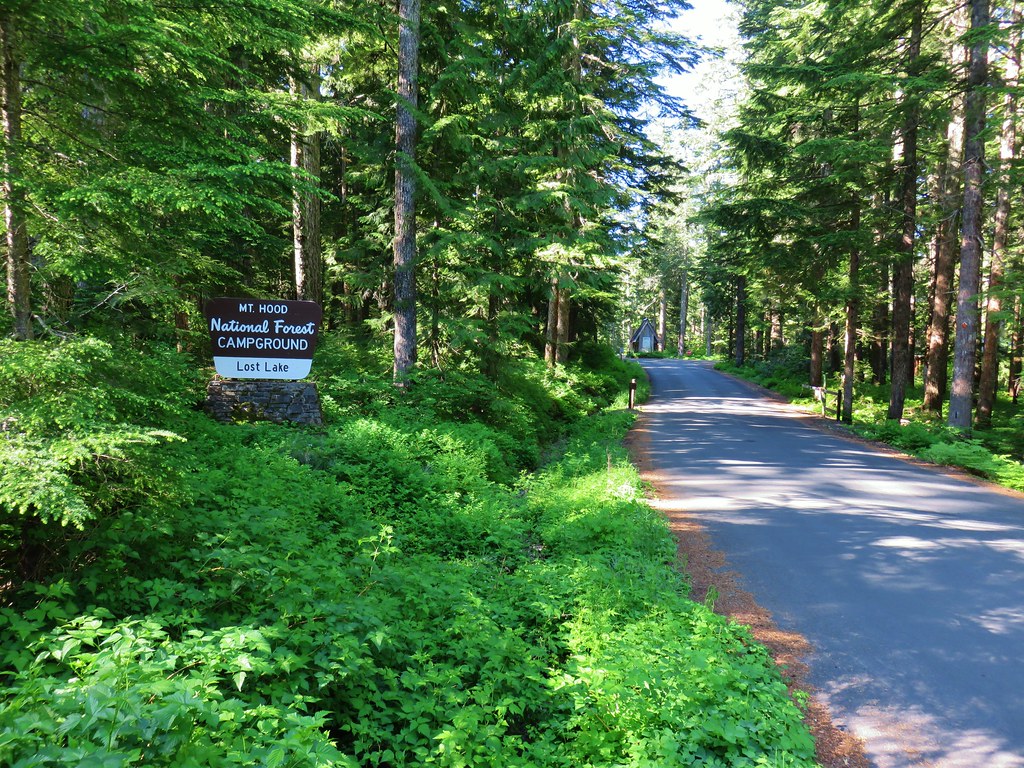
(632, 394)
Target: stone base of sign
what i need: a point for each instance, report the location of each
(297, 402)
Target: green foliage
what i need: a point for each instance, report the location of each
(389, 590)
(783, 372)
(88, 430)
(978, 459)
(911, 437)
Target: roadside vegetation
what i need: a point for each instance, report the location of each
(463, 573)
(995, 453)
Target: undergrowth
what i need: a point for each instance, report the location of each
(402, 587)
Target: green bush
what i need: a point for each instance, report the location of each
(978, 459)
(911, 437)
(390, 590)
(88, 431)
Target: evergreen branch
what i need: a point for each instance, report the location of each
(75, 139)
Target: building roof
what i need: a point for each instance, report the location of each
(646, 328)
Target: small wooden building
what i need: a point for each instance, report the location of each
(645, 339)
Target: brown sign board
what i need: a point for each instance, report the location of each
(263, 338)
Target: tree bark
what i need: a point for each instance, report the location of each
(850, 337)
(306, 235)
(662, 314)
(405, 190)
(12, 193)
(903, 268)
(562, 346)
(684, 308)
(435, 313)
(1016, 350)
(967, 320)
(949, 198)
(707, 330)
(741, 319)
(817, 354)
(1008, 147)
(852, 320)
(778, 339)
(551, 330)
(880, 332)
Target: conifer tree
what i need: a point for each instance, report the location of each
(967, 319)
(405, 189)
(305, 160)
(12, 193)
(948, 174)
(903, 267)
(1008, 150)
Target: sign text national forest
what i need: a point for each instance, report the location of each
(263, 338)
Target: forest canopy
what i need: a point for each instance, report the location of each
(157, 155)
(867, 214)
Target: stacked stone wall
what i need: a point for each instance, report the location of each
(297, 402)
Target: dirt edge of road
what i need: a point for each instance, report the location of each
(707, 568)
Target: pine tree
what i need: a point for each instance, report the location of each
(903, 267)
(12, 193)
(948, 194)
(967, 321)
(305, 160)
(405, 189)
(1008, 151)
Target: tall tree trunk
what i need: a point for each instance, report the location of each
(562, 346)
(760, 336)
(778, 339)
(12, 193)
(684, 309)
(949, 199)
(306, 235)
(662, 314)
(1016, 349)
(551, 330)
(852, 302)
(707, 330)
(741, 319)
(766, 342)
(967, 321)
(1007, 155)
(817, 354)
(435, 313)
(852, 320)
(405, 189)
(903, 268)
(556, 343)
(880, 332)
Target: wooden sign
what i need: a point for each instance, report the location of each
(263, 338)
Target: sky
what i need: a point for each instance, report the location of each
(713, 22)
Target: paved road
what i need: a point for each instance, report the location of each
(908, 584)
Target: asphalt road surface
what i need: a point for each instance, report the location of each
(908, 583)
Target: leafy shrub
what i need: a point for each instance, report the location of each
(977, 459)
(911, 437)
(119, 693)
(87, 431)
(389, 590)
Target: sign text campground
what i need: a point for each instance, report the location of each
(263, 338)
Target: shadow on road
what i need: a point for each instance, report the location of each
(909, 584)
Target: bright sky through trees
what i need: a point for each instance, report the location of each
(712, 23)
